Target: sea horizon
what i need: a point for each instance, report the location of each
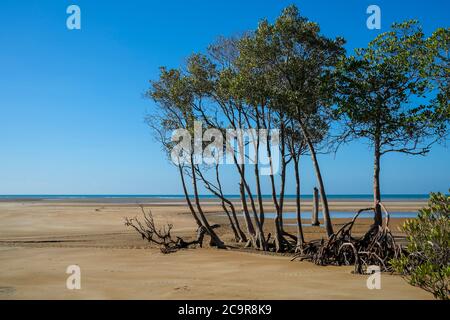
(404, 196)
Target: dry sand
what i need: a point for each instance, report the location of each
(39, 239)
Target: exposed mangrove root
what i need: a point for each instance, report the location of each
(376, 247)
(162, 236)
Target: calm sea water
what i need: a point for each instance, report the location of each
(398, 197)
(342, 214)
(307, 215)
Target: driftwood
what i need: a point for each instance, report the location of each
(376, 247)
(162, 236)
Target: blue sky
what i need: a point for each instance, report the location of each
(71, 106)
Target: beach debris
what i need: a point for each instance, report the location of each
(162, 236)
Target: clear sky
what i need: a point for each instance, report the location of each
(71, 106)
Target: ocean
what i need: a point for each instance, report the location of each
(364, 197)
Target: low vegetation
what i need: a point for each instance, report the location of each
(426, 262)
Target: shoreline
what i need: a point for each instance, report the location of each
(335, 204)
(204, 198)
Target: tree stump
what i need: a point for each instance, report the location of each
(315, 210)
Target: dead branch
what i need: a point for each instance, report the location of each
(162, 236)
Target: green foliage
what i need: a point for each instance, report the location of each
(287, 65)
(426, 262)
(385, 92)
(439, 44)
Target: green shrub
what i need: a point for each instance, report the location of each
(425, 262)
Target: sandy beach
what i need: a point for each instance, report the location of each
(40, 239)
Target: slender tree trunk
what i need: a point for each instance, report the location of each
(260, 232)
(235, 225)
(323, 195)
(214, 237)
(248, 220)
(233, 222)
(300, 237)
(284, 164)
(259, 193)
(242, 236)
(278, 231)
(259, 220)
(258, 185)
(256, 144)
(378, 219)
(283, 175)
(281, 201)
(186, 195)
(315, 210)
(235, 232)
